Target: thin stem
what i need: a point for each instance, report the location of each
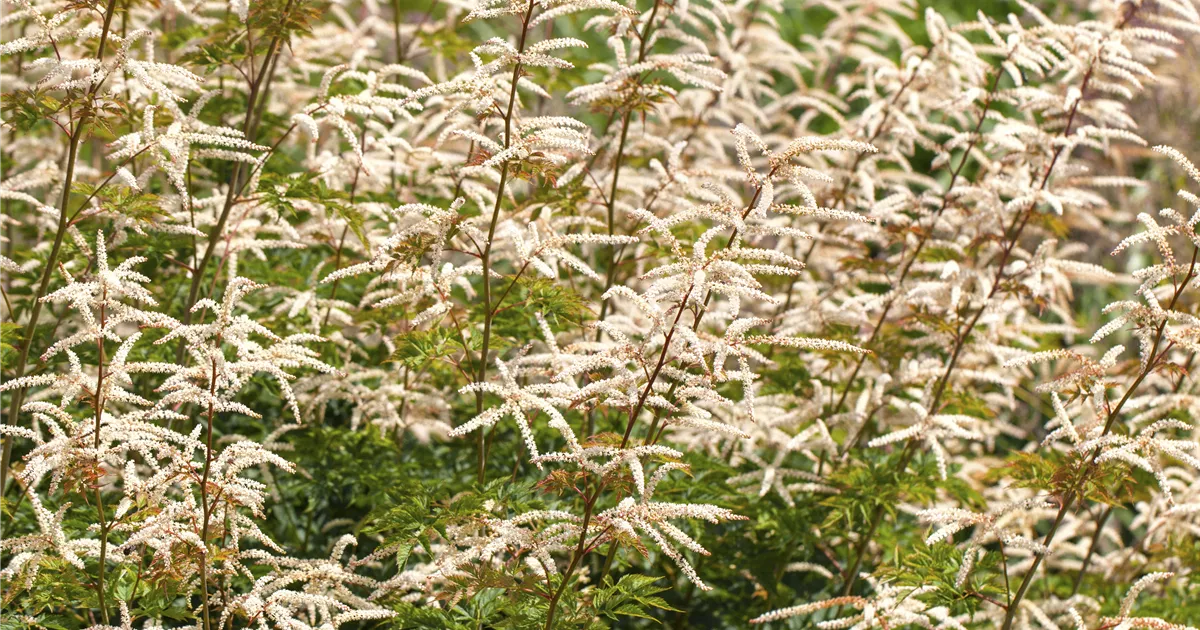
(337, 263)
(611, 201)
(18, 396)
(926, 234)
(1087, 560)
(206, 509)
(337, 258)
(1073, 494)
(1012, 238)
(631, 420)
(235, 179)
(575, 557)
(481, 376)
(1004, 567)
(396, 31)
(99, 409)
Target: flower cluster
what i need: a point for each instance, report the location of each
(557, 313)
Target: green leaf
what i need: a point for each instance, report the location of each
(122, 200)
(634, 595)
(10, 337)
(28, 109)
(354, 221)
(416, 348)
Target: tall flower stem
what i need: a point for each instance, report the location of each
(205, 507)
(258, 85)
(634, 412)
(99, 409)
(337, 258)
(1087, 560)
(924, 239)
(962, 333)
(1075, 493)
(611, 201)
(485, 256)
(18, 396)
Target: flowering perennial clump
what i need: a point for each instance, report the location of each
(588, 313)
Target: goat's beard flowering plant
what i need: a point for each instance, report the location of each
(577, 313)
